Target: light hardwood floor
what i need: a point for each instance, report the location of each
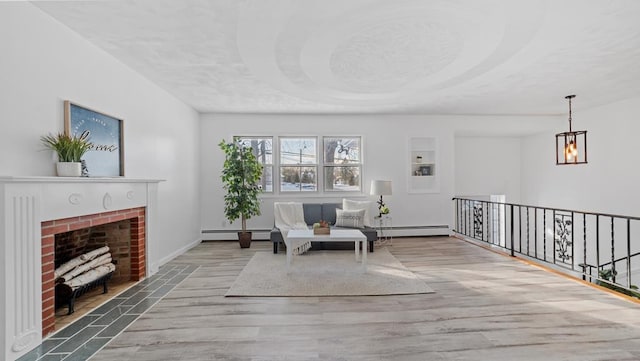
(486, 307)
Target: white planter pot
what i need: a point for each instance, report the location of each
(69, 169)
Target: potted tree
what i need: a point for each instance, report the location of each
(70, 149)
(241, 176)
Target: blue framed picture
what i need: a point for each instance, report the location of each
(106, 158)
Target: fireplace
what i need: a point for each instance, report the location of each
(33, 210)
(77, 231)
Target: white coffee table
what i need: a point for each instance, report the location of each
(299, 236)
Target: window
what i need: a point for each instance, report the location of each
(308, 163)
(263, 150)
(298, 164)
(342, 164)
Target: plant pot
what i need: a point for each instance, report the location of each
(69, 169)
(245, 239)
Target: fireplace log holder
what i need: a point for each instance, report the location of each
(65, 295)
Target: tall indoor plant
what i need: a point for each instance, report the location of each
(70, 149)
(241, 176)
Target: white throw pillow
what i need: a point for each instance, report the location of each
(349, 205)
(350, 219)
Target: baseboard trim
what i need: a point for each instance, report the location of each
(155, 266)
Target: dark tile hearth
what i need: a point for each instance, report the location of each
(84, 337)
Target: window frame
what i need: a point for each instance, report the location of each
(316, 165)
(321, 166)
(333, 165)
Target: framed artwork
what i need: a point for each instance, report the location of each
(106, 158)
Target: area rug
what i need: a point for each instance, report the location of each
(326, 273)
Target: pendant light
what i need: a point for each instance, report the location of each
(571, 146)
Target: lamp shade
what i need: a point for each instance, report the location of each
(381, 187)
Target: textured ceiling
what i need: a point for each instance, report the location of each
(372, 56)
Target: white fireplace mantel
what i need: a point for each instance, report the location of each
(28, 201)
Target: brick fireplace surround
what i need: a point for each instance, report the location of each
(51, 228)
(32, 211)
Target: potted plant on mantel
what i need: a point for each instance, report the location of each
(70, 149)
(241, 176)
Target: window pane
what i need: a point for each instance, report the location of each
(298, 151)
(262, 148)
(342, 150)
(298, 179)
(342, 179)
(266, 180)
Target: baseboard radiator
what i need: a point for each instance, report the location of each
(263, 234)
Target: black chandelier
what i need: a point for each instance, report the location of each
(571, 146)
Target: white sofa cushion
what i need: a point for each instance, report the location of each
(350, 219)
(351, 205)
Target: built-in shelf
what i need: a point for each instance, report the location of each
(423, 165)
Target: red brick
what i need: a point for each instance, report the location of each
(48, 318)
(47, 259)
(48, 314)
(48, 323)
(48, 283)
(98, 221)
(55, 229)
(66, 220)
(47, 267)
(48, 304)
(47, 294)
(116, 218)
(130, 215)
(79, 225)
(48, 239)
(48, 330)
(47, 249)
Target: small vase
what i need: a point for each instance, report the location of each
(69, 169)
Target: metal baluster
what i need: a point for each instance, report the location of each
(584, 246)
(460, 216)
(554, 236)
(512, 253)
(463, 226)
(535, 232)
(457, 223)
(573, 259)
(598, 244)
(613, 248)
(504, 225)
(628, 253)
(527, 231)
(544, 233)
(520, 229)
(466, 215)
(486, 220)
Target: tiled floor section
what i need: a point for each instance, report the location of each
(88, 302)
(90, 333)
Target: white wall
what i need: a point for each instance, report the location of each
(44, 63)
(488, 165)
(608, 183)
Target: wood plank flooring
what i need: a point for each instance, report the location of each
(486, 307)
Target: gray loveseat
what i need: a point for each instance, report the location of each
(314, 212)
